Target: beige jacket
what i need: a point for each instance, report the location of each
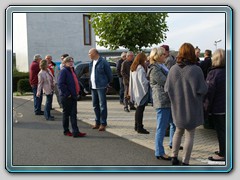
(45, 82)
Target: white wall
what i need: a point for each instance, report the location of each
(49, 33)
(56, 34)
(20, 41)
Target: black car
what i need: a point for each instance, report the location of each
(82, 72)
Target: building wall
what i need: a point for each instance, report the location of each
(20, 41)
(54, 34)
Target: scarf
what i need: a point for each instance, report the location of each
(77, 87)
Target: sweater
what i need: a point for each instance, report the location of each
(186, 88)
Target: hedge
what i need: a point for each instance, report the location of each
(23, 86)
(16, 77)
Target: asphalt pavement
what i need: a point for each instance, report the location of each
(42, 143)
(37, 142)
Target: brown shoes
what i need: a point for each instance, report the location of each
(102, 128)
(99, 127)
(96, 126)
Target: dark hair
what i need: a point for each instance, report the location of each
(65, 55)
(186, 53)
(208, 52)
(139, 59)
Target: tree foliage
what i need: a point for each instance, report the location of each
(129, 30)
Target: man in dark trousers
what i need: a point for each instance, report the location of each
(119, 65)
(125, 71)
(33, 80)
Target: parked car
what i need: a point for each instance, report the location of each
(82, 72)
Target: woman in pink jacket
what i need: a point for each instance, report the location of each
(46, 83)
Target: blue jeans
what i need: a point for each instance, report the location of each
(163, 118)
(121, 91)
(37, 100)
(69, 105)
(99, 101)
(48, 106)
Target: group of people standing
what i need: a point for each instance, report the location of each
(184, 93)
(181, 92)
(46, 78)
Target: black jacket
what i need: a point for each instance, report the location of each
(215, 99)
(206, 65)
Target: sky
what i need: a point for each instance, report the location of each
(199, 29)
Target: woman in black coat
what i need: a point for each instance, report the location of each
(215, 101)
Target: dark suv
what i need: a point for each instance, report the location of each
(82, 71)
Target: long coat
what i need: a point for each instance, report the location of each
(186, 88)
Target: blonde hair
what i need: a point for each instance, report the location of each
(43, 64)
(155, 54)
(218, 58)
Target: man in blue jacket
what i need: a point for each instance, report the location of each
(100, 77)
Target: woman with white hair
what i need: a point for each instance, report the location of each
(215, 101)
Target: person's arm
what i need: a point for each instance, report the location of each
(40, 84)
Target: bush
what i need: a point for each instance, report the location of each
(16, 77)
(23, 86)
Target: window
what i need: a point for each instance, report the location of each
(86, 30)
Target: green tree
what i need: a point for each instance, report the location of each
(129, 30)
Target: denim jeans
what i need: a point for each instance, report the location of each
(37, 100)
(99, 101)
(48, 106)
(163, 119)
(69, 105)
(121, 91)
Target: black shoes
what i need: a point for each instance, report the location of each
(132, 108)
(164, 157)
(51, 118)
(126, 109)
(142, 131)
(175, 161)
(39, 113)
(180, 148)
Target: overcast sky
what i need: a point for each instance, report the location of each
(199, 29)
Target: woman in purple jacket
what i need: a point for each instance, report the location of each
(215, 101)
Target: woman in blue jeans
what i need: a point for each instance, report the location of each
(161, 102)
(46, 83)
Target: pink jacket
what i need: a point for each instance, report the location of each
(45, 82)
